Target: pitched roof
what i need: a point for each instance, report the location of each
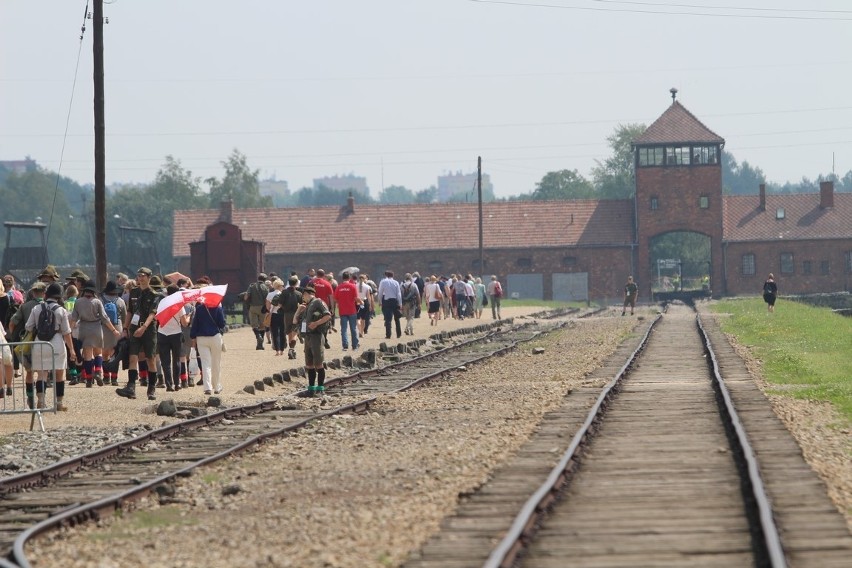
(507, 224)
(803, 217)
(678, 125)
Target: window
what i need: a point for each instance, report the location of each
(806, 267)
(787, 263)
(704, 202)
(655, 203)
(524, 262)
(779, 213)
(748, 264)
(677, 155)
(824, 268)
(650, 157)
(702, 155)
(435, 266)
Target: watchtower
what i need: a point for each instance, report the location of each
(678, 163)
(26, 250)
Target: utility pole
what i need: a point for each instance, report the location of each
(100, 144)
(479, 196)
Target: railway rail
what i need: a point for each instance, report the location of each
(660, 471)
(97, 484)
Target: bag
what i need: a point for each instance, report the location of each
(111, 311)
(290, 300)
(267, 320)
(26, 347)
(498, 290)
(485, 300)
(313, 310)
(408, 295)
(257, 294)
(46, 325)
(439, 295)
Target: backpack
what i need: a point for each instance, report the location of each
(289, 300)
(408, 295)
(313, 309)
(111, 311)
(46, 325)
(498, 290)
(257, 294)
(276, 299)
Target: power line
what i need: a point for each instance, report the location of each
(671, 13)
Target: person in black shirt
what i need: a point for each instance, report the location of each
(770, 292)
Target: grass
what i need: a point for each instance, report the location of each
(805, 350)
(510, 303)
(169, 516)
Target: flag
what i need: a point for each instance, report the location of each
(171, 305)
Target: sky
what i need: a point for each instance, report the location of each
(402, 91)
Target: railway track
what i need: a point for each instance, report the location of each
(97, 484)
(659, 472)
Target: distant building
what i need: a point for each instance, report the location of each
(18, 166)
(357, 184)
(458, 183)
(278, 190)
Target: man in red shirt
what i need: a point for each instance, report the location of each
(347, 300)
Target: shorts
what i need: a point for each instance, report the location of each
(289, 325)
(630, 301)
(314, 350)
(147, 344)
(435, 307)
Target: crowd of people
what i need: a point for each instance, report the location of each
(72, 332)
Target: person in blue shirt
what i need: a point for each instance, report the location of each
(206, 336)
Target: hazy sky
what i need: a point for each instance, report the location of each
(401, 91)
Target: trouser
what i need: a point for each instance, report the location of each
(210, 351)
(350, 322)
(169, 347)
(390, 310)
(277, 329)
(495, 307)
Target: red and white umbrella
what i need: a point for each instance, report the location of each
(210, 296)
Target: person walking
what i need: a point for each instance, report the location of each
(142, 335)
(53, 358)
(410, 301)
(495, 294)
(255, 297)
(770, 292)
(170, 344)
(288, 305)
(313, 318)
(206, 337)
(276, 316)
(89, 317)
(390, 296)
(631, 291)
(116, 311)
(432, 295)
(347, 300)
(367, 305)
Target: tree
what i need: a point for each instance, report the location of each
(396, 194)
(564, 184)
(240, 184)
(613, 178)
(740, 179)
(428, 195)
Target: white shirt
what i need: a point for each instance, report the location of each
(389, 288)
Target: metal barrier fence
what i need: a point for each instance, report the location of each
(18, 389)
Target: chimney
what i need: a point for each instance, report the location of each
(226, 211)
(762, 205)
(826, 194)
(350, 204)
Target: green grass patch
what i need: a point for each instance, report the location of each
(806, 351)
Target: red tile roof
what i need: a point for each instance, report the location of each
(803, 217)
(678, 125)
(509, 224)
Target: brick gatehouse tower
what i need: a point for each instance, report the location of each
(678, 188)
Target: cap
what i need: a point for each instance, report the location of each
(77, 273)
(111, 289)
(144, 270)
(309, 290)
(49, 272)
(38, 287)
(156, 282)
(90, 286)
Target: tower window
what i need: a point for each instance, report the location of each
(704, 202)
(748, 264)
(787, 263)
(655, 203)
(779, 213)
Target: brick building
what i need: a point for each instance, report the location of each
(577, 249)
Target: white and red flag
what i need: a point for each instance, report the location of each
(210, 296)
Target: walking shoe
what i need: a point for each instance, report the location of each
(208, 392)
(320, 390)
(99, 380)
(9, 390)
(89, 383)
(327, 345)
(199, 383)
(143, 382)
(161, 383)
(127, 392)
(177, 386)
(114, 382)
(61, 407)
(170, 388)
